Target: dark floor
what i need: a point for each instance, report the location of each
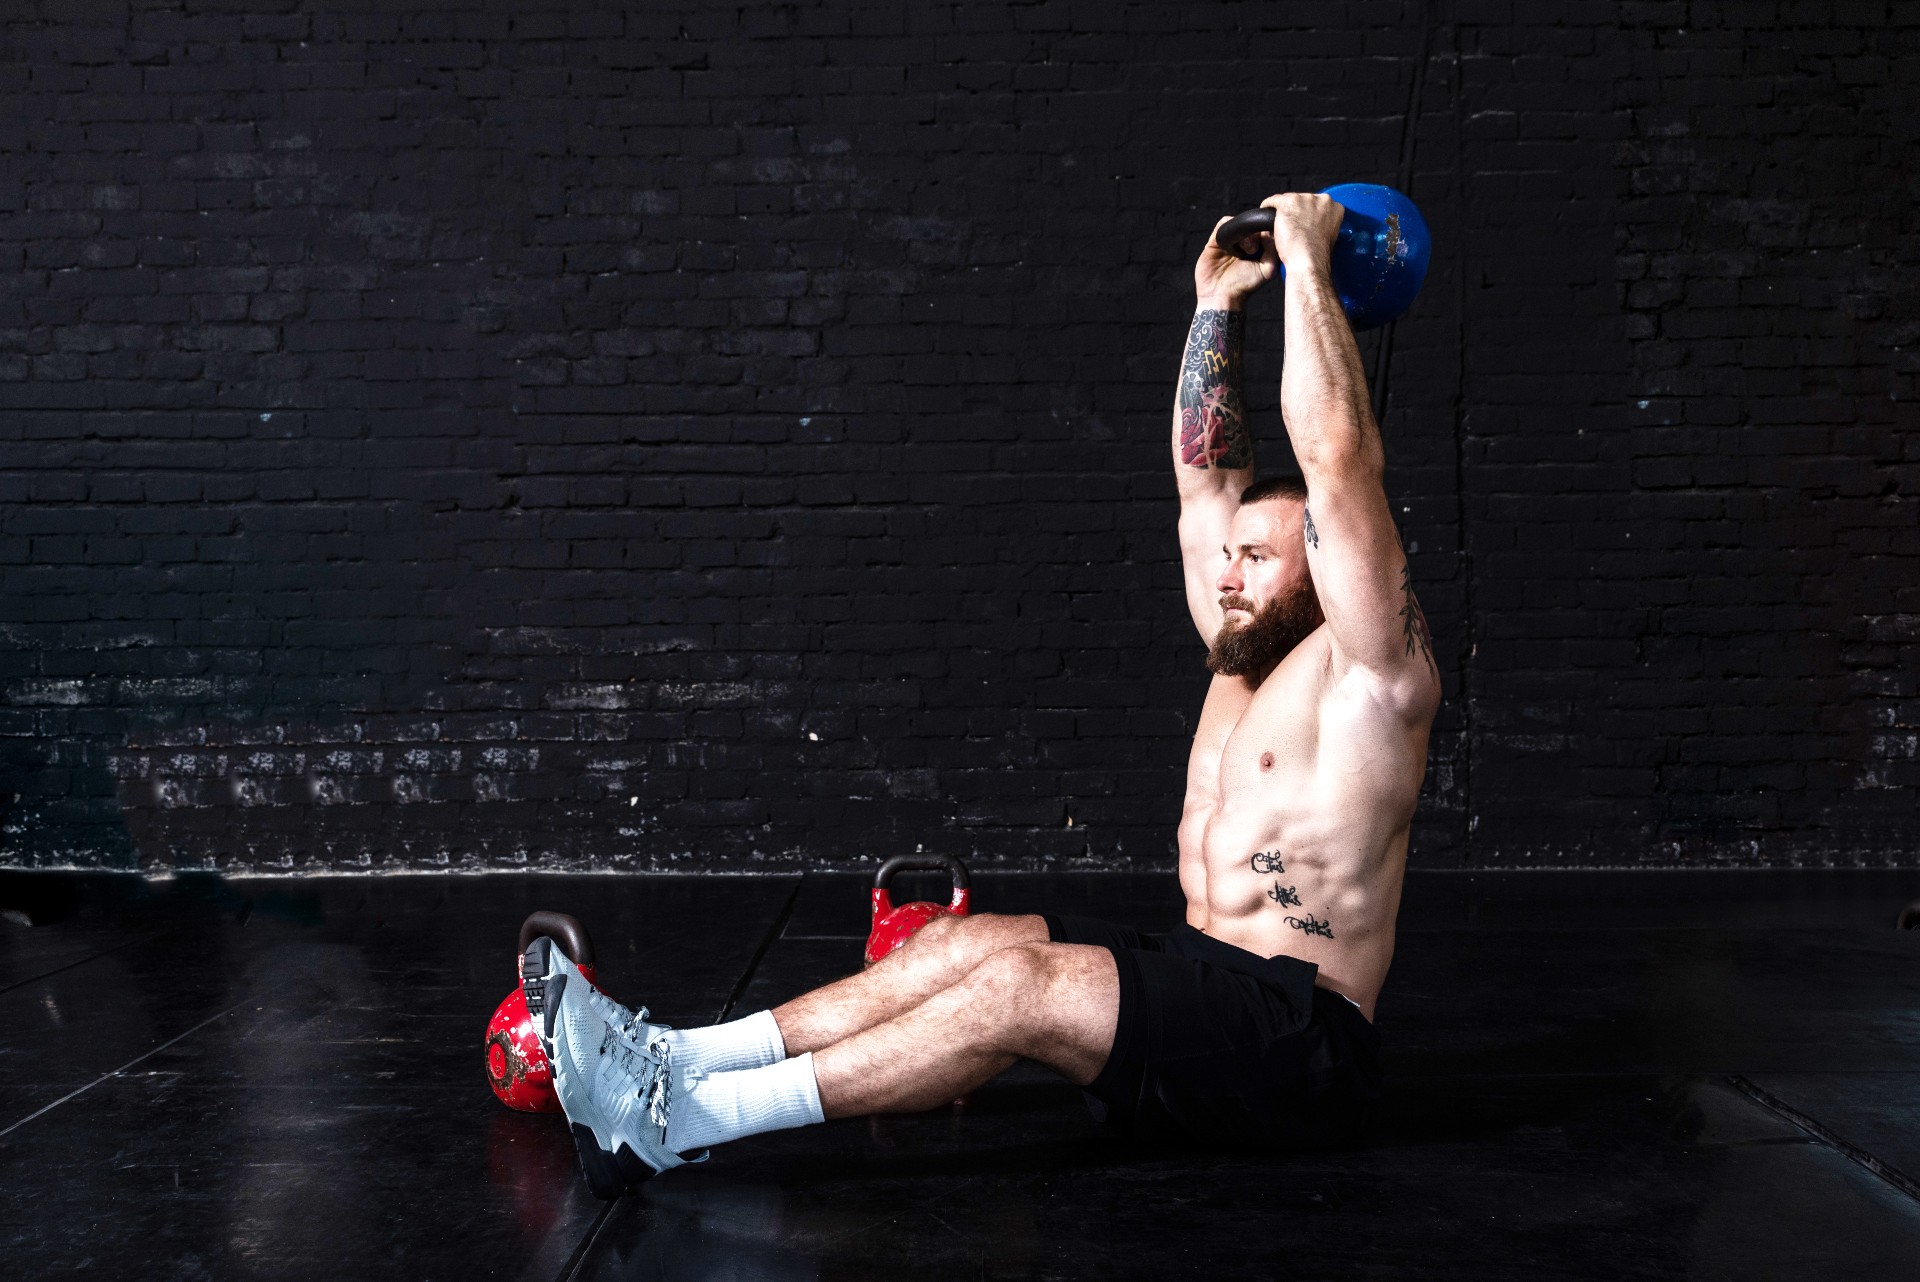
(1593, 1075)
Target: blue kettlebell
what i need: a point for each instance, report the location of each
(1379, 258)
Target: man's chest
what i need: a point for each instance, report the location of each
(1297, 745)
(1264, 737)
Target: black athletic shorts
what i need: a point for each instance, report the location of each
(1223, 1046)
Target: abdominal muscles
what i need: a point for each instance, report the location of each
(1288, 894)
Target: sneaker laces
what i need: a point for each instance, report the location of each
(636, 1019)
(657, 1094)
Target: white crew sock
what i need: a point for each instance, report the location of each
(717, 1107)
(752, 1042)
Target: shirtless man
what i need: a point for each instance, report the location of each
(1252, 1022)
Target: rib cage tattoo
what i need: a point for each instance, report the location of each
(1312, 925)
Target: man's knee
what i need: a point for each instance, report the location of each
(1007, 984)
(971, 938)
(1057, 1003)
(938, 933)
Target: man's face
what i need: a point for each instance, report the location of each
(1265, 590)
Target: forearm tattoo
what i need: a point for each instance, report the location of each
(1413, 621)
(1312, 925)
(1213, 424)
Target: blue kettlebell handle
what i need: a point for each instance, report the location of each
(1240, 227)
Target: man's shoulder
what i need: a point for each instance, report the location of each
(1312, 683)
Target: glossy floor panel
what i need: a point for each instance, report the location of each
(1874, 1113)
(281, 1079)
(1545, 1178)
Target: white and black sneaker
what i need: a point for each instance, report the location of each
(632, 1024)
(616, 1094)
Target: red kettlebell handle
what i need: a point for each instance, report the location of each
(563, 930)
(955, 870)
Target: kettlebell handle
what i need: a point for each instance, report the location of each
(563, 930)
(955, 870)
(1241, 226)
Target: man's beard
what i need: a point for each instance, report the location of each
(1254, 647)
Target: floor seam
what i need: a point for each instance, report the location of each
(116, 1072)
(766, 942)
(57, 970)
(1819, 1130)
(571, 1269)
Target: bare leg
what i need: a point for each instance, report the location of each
(1055, 1003)
(941, 954)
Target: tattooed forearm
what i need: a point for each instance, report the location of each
(1313, 535)
(1213, 425)
(1414, 622)
(1266, 862)
(1285, 896)
(1312, 925)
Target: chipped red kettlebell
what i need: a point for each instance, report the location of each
(893, 926)
(517, 1068)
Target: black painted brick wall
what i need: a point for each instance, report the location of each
(699, 435)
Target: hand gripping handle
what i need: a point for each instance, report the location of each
(955, 870)
(1240, 227)
(563, 930)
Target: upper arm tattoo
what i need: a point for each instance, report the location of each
(1213, 424)
(1413, 621)
(1313, 535)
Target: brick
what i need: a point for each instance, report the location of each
(699, 382)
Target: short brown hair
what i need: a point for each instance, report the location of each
(1287, 485)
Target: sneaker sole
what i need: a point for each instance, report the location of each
(608, 1174)
(541, 986)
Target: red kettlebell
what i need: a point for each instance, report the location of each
(517, 1068)
(892, 926)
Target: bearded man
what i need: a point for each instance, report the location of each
(1251, 1023)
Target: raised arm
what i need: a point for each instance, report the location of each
(1212, 441)
(1359, 571)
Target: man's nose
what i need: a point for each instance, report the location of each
(1229, 580)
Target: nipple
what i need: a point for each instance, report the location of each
(1266, 761)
